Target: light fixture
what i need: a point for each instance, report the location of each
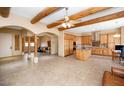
(116, 35)
(64, 25)
(67, 23)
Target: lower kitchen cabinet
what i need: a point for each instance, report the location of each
(101, 51)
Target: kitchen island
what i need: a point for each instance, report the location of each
(83, 54)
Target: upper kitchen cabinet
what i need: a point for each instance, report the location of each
(87, 40)
(103, 39)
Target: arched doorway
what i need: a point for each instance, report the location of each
(48, 43)
(19, 41)
(12, 40)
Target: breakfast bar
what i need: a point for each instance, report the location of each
(83, 54)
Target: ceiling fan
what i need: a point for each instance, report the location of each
(68, 23)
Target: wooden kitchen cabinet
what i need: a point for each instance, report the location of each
(68, 47)
(68, 44)
(86, 40)
(107, 52)
(69, 37)
(101, 51)
(104, 39)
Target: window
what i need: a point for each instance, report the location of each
(32, 44)
(26, 44)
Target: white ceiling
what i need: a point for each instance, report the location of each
(27, 12)
(98, 26)
(60, 14)
(30, 12)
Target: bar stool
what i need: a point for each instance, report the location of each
(116, 56)
(122, 56)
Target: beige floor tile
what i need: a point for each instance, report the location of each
(54, 70)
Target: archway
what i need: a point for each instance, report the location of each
(14, 20)
(48, 43)
(13, 40)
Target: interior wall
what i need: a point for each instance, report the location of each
(61, 44)
(54, 45)
(38, 28)
(14, 20)
(13, 33)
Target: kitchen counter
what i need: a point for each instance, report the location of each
(83, 54)
(101, 51)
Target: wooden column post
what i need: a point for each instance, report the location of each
(29, 50)
(35, 45)
(23, 41)
(35, 49)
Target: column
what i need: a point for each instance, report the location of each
(29, 50)
(61, 44)
(35, 49)
(23, 42)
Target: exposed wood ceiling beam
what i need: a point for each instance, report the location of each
(79, 15)
(47, 11)
(97, 20)
(4, 11)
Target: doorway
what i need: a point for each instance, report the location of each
(47, 44)
(6, 45)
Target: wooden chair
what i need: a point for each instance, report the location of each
(116, 56)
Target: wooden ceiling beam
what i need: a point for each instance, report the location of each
(79, 15)
(47, 11)
(97, 20)
(4, 11)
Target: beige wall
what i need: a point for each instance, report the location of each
(38, 28)
(13, 32)
(14, 20)
(61, 44)
(54, 45)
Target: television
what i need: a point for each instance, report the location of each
(119, 47)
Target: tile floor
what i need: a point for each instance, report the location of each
(54, 70)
